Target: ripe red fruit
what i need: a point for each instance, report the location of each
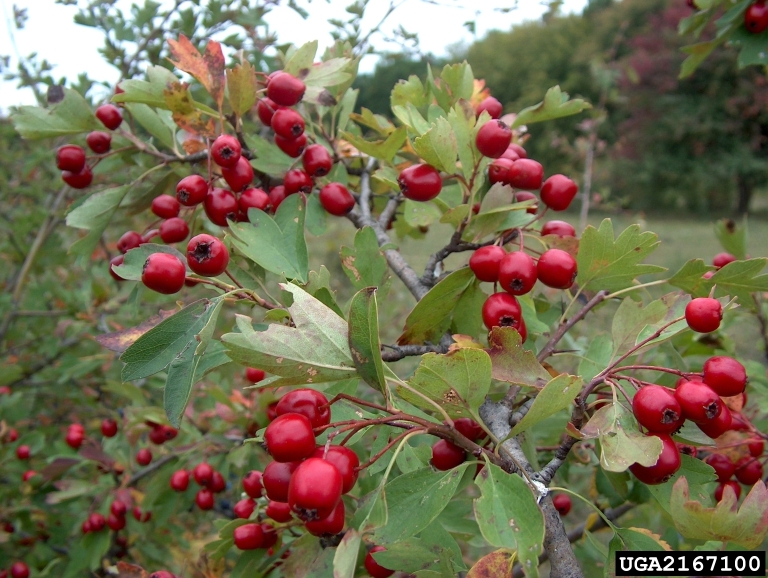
(521, 196)
(664, 468)
(332, 525)
(249, 537)
(293, 147)
(118, 508)
(720, 489)
(289, 438)
(99, 142)
(204, 499)
(558, 191)
(129, 240)
(749, 470)
(271, 411)
(166, 206)
(725, 375)
(218, 483)
(657, 409)
(207, 255)
(279, 511)
(491, 105)
(756, 447)
(78, 180)
(221, 205)
(203, 474)
(23, 452)
(266, 109)
(162, 574)
(698, 401)
(288, 123)
(116, 523)
(70, 158)
(254, 375)
(276, 478)
(253, 199)
(485, 262)
(723, 466)
(556, 268)
(526, 174)
(276, 196)
(562, 503)
(174, 230)
(493, 138)
(317, 160)
(722, 259)
(373, 568)
(518, 150)
(226, 151)
(164, 273)
(285, 89)
(469, 428)
(420, 182)
(239, 176)
(446, 455)
(25, 477)
(559, 228)
(336, 199)
(498, 170)
(756, 17)
(140, 516)
(345, 460)
(143, 457)
(180, 480)
(315, 489)
(502, 310)
(307, 402)
(19, 570)
(109, 428)
(703, 314)
(252, 484)
(74, 438)
(109, 115)
(191, 190)
(721, 424)
(244, 508)
(97, 522)
(517, 273)
(296, 181)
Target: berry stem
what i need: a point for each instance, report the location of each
(685, 374)
(358, 401)
(389, 446)
(564, 327)
(634, 287)
(446, 418)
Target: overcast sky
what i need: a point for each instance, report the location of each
(51, 32)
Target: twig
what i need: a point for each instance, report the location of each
(549, 348)
(397, 352)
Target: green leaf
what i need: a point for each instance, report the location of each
(459, 79)
(150, 91)
(497, 213)
(699, 477)
(364, 265)
(674, 308)
(308, 559)
(269, 158)
(462, 120)
(630, 319)
(556, 396)
(740, 279)
(690, 278)
(381, 149)
(697, 53)
(457, 381)
(597, 358)
(345, 559)
(158, 347)
(409, 555)
(554, 105)
(438, 146)
(284, 236)
(609, 265)
(410, 116)
(316, 350)
(468, 315)
(431, 317)
(409, 91)
(242, 87)
(134, 260)
(301, 58)
(511, 362)
(94, 215)
(509, 516)
(418, 214)
(364, 340)
(328, 73)
(415, 499)
(732, 236)
(157, 123)
(317, 217)
(73, 115)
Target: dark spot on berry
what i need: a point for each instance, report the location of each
(712, 410)
(507, 321)
(669, 416)
(202, 252)
(516, 285)
(146, 264)
(183, 195)
(227, 153)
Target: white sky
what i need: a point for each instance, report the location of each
(51, 32)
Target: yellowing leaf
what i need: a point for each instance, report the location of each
(208, 68)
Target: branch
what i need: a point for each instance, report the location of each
(397, 352)
(549, 348)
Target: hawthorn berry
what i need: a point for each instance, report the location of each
(517, 273)
(307, 402)
(336, 199)
(287, 123)
(203, 474)
(511, 154)
(166, 206)
(139, 516)
(664, 468)
(129, 240)
(110, 116)
(79, 180)
(314, 489)
(703, 314)
(469, 428)
(698, 401)
(109, 428)
(253, 199)
(218, 483)
(485, 262)
(239, 176)
(285, 89)
(725, 375)
(164, 273)
(558, 191)
(74, 438)
(345, 460)
(70, 158)
(254, 374)
(191, 190)
(118, 508)
(562, 503)
(521, 196)
(143, 457)
(99, 142)
(279, 511)
(244, 508)
(174, 230)
(116, 523)
(19, 570)
(756, 17)
(290, 438)
(207, 255)
(498, 170)
(518, 150)
(420, 182)
(749, 470)
(276, 196)
(29, 474)
(162, 574)
(252, 484)
(97, 522)
(180, 480)
(722, 259)
(723, 466)
(657, 409)
(249, 537)
(204, 499)
(23, 452)
(526, 174)
(559, 228)
(556, 268)
(720, 489)
(756, 447)
(490, 105)
(266, 108)
(271, 411)
(331, 525)
(297, 181)
(373, 568)
(220, 205)
(446, 455)
(226, 151)
(293, 147)
(493, 138)
(502, 310)
(317, 160)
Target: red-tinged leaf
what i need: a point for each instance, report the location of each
(207, 68)
(121, 340)
(193, 145)
(126, 570)
(91, 450)
(58, 467)
(497, 564)
(512, 363)
(185, 114)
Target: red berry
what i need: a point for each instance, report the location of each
(23, 452)
(156, 436)
(722, 259)
(749, 470)
(140, 516)
(502, 310)
(297, 181)
(109, 428)
(498, 170)
(74, 439)
(526, 174)
(218, 483)
(253, 199)
(221, 205)
(373, 568)
(562, 503)
(518, 150)
(293, 147)
(27, 475)
(469, 428)
(70, 158)
(254, 375)
(276, 478)
(143, 457)
(109, 115)
(116, 523)
(310, 403)
(521, 196)
(180, 480)
(203, 474)
(97, 521)
(166, 206)
(266, 109)
(345, 460)
(174, 230)
(446, 455)
(721, 424)
(164, 273)
(118, 508)
(558, 191)
(493, 138)
(720, 489)
(99, 142)
(78, 180)
(725, 375)
(664, 468)
(556, 268)
(19, 570)
(288, 123)
(420, 182)
(244, 508)
(485, 262)
(491, 105)
(272, 411)
(703, 314)
(129, 240)
(723, 466)
(285, 89)
(697, 400)
(517, 273)
(226, 151)
(756, 17)
(162, 574)
(656, 409)
(511, 154)
(191, 190)
(240, 176)
(207, 255)
(252, 484)
(317, 160)
(756, 447)
(279, 511)
(336, 199)
(315, 489)
(276, 196)
(290, 438)
(332, 525)
(204, 499)
(249, 537)
(559, 228)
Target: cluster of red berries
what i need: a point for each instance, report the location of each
(747, 469)
(445, 454)
(756, 17)
(18, 570)
(96, 522)
(209, 479)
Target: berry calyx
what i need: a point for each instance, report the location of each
(289, 438)
(556, 268)
(345, 460)
(718, 426)
(99, 142)
(207, 255)
(315, 489)
(502, 310)
(285, 89)
(244, 508)
(493, 138)
(293, 147)
(307, 402)
(698, 401)
(109, 428)
(526, 174)
(287, 123)
(191, 190)
(664, 468)
(517, 273)
(485, 262)
(226, 151)
(657, 409)
(79, 180)
(205, 499)
(203, 474)
(336, 199)
(180, 480)
(756, 17)
(490, 105)
(720, 489)
(703, 314)
(723, 466)
(164, 273)
(253, 199)
(70, 158)
(420, 182)
(558, 191)
(166, 206)
(559, 228)
(317, 160)
(331, 525)
(143, 457)
(373, 568)
(279, 511)
(725, 375)
(562, 503)
(297, 181)
(749, 470)
(446, 455)
(174, 230)
(110, 116)
(239, 176)
(252, 484)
